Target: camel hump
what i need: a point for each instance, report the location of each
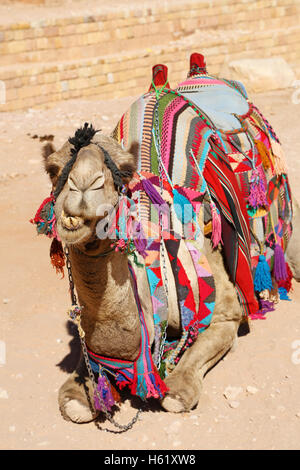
(159, 77)
(197, 64)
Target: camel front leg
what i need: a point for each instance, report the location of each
(185, 382)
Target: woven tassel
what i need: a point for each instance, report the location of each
(279, 269)
(115, 394)
(149, 384)
(153, 195)
(287, 283)
(283, 294)
(279, 159)
(216, 236)
(140, 241)
(44, 219)
(257, 196)
(104, 390)
(265, 306)
(262, 278)
(264, 153)
(57, 256)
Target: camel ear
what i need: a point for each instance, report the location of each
(54, 161)
(47, 150)
(51, 167)
(129, 168)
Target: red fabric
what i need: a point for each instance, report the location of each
(235, 209)
(159, 76)
(197, 61)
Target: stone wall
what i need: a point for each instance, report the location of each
(110, 54)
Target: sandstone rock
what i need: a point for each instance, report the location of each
(251, 390)
(230, 393)
(234, 404)
(260, 74)
(3, 394)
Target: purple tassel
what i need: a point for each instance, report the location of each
(103, 388)
(279, 270)
(257, 196)
(153, 195)
(265, 306)
(140, 241)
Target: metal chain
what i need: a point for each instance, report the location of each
(107, 414)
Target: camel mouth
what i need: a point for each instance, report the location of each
(73, 229)
(71, 223)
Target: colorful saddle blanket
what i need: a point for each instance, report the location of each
(220, 101)
(207, 145)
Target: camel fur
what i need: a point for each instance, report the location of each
(104, 286)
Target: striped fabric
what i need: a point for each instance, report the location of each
(140, 375)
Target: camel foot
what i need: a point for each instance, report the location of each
(184, 392)
(74, 410)
(76, 400)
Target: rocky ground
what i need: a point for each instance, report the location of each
(250, 399)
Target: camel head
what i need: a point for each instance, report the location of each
(86, 185)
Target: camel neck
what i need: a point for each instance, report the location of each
(105, 291)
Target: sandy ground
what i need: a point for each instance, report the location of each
(42, 347)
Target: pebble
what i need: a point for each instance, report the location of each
(173, 428)
(281, 408)
(230, 393)
(3, 393)
(176, 443)
(12, 428)
(297, 415)
(234, 404)
(251, 390)
(6, 301)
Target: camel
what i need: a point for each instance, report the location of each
(110, 320)
(104, 287)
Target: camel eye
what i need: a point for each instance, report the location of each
(97, 184)
(72, 185)
(100, 187)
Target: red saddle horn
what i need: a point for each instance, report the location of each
(197, 64)
(159, 77)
